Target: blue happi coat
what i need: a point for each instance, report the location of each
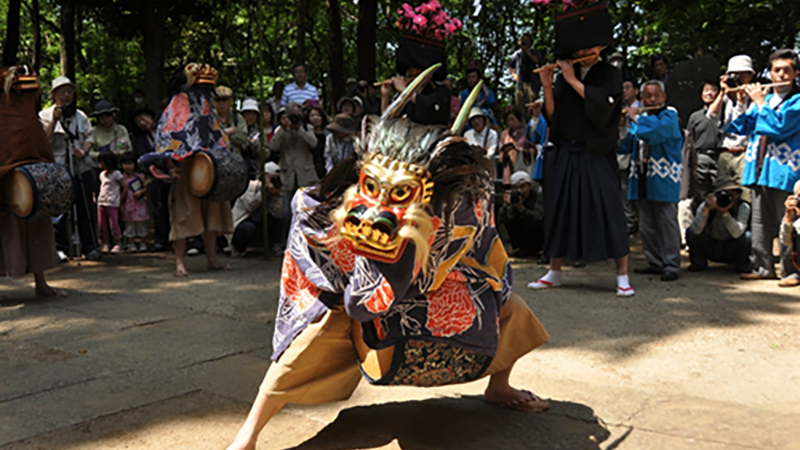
(781, 126)
(538, 136)
(662, 135)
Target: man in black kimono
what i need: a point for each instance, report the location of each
(584, 216)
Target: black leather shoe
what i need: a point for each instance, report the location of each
(669, 276)
(698, 267)
(647, 270)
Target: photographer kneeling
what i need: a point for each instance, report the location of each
(523, 215)
(248, 215)
(790, 237)
(718, 230)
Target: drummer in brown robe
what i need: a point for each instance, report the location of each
(26, 245)
(187, 126)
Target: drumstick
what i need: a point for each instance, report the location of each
(783, 83)
(572, 61)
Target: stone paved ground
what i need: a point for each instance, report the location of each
(136, 359)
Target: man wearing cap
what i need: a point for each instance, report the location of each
(724, 110)
(231, 121)
(248, 217)
(481, 134)
(522, 213)
(68, 128)
(300, 91)
(719, 230)
(339, 143)
(772, 160)
(108, 135)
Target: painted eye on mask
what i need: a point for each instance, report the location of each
(400, 193)
(372, 188)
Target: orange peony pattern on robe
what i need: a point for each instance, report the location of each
(451, 310)
(296, 287)
(381, 299)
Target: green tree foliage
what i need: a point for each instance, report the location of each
(111, 57)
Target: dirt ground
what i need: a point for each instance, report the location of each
(137, 359)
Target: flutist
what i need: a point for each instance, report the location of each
(772, 161)
(584, 218)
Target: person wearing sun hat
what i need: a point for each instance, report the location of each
(108, 134)
(481, 133)
(339, 144)
(719, 230)
(584, 216)
(67, 127)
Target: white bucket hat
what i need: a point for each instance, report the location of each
(61, 81)
(249, 104)
(740, 63)
(271, 168)
(520, 177)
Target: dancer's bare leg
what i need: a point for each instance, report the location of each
(180, 255)
(499, 391)
(45, 290)
(210, 239)
(264, 408)
(622, 265)
(555, 263)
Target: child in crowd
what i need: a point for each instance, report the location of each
(134, 212)
(112, 190)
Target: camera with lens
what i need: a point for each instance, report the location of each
(516, 198)
(68, 110)
(724, 199)
(295, 118)
(733, 80)
(275, 180)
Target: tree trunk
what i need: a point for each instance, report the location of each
(153, 19)
(68, 39)
(300, 55)
(37, 36)
(11, 43)
(366, 39)
(336, 52)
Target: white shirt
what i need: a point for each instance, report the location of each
(294, 93)
(487, 139)
(79, 127)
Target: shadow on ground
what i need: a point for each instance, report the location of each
(463, 423)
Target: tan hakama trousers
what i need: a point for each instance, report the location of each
(190, 216)
(321, 365)
(26, 245)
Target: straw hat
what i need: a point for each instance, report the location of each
(343, 123)
(61, 81)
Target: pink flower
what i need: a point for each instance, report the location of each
(421, 21)
(408, 10)
(458, 24)
(439, 35)
(450, 28)
(440, 18)
(434, 5)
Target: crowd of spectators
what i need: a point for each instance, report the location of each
(720, 186)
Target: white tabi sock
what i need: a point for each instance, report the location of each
(551, 279)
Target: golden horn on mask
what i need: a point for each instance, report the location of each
(417, 84)
(461, 120)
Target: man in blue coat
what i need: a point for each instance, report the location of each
(772, 161)
(655, 180)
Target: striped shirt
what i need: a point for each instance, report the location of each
(293, 93)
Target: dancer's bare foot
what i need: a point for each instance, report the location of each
(180, 271)
(49, 291)
(511, 398)
(244, 445)
(216, 265)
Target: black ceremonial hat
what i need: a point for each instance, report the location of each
(416, 51)
(583, 28)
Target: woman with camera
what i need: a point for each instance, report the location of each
(294, 142)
